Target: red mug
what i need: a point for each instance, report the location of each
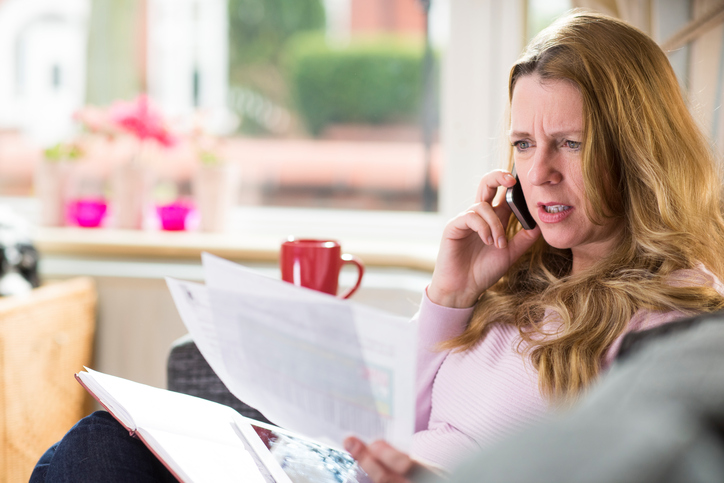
(316, 264)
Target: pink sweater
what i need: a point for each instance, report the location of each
(468, 400)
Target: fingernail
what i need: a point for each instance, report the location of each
(351, 445)
(502, 242)
(490, 240)
(509, 176)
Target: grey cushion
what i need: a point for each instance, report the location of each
(189, 373)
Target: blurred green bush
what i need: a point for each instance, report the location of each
(258, 32)
(367, 81)
(258, 29)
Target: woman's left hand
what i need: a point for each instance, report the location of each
(383, 463)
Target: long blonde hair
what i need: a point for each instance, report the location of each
(646, 163)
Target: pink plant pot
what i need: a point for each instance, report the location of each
(86, 212)
(173, 215)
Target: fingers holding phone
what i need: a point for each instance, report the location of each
(488, 216)
(489, 184)
(474, 251)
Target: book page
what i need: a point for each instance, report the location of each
(318, 365)
(106, 398)
(198, 439)
(211, 462)
(152, 407)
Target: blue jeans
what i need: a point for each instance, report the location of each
(96, 449)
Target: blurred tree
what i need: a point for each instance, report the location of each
(259, 28)
(258, 31)
(115, 66)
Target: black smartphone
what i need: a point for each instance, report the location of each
(516, 201)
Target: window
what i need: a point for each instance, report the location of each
(258, 69)
(325, 103)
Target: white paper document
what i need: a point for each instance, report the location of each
(310, 362)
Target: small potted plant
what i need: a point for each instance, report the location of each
(86, 204)
(173, 207)
(215, 182)
(51, 181)
(132, 180)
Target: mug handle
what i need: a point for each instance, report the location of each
(346, 258)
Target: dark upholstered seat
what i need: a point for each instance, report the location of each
(189, 373)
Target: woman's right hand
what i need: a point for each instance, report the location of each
(385, 464)
(474, 252)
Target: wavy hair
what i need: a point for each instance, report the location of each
(645, 162)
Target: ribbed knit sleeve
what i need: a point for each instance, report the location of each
(435, 324)
(478, 396)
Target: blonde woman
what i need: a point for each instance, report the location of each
(627, 200)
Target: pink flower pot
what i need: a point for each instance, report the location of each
(51, 185)
(173, 215)
(130, 183)
(86, 212)
(215, 192)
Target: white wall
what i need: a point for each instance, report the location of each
(485, 39)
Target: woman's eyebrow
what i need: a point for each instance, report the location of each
(566, 133)
(518, 134)
(557, 134)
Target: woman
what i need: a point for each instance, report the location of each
(627, 200)
(626, 197)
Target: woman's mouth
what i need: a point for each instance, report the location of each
(556, 208)
(553, 213)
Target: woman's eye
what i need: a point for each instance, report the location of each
(521, 145)
(575, 145)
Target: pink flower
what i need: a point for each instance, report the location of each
(142, 120)
(96, 121)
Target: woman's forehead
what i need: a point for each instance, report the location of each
(553, 106)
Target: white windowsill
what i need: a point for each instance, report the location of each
(407, 240)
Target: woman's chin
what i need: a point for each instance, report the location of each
(557, 241)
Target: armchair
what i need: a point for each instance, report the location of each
(189, 373)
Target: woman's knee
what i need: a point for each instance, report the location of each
(98, 448)
(98, 423)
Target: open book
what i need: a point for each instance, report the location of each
(202, 441)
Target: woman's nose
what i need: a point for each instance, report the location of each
(544, 169)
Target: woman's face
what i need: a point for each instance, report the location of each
(546, 131)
